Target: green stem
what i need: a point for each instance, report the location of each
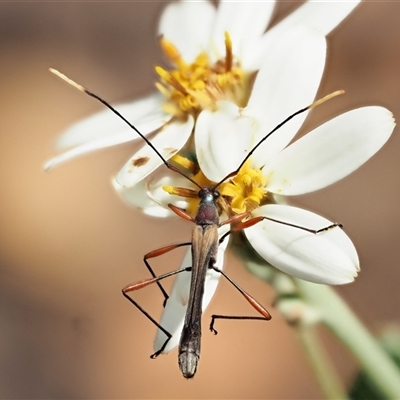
(347, 327)
(335, 314)
(320, 364)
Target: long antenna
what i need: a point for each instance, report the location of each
(109, 106)
(169, 165)
(309, 107)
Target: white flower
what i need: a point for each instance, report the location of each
(230, 44)
(286, 82)
(320, 158)
(194, 40)
(327, 154)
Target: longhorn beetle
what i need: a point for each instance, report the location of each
(204, 246)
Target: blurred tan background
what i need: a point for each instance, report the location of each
(68, 245)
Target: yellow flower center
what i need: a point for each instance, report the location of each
(247, 190)
(190, 194)
(192, 87)
(244, 192)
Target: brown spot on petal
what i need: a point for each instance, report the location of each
(170, 150)
(138, 162)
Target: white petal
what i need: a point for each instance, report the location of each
(145, 112)
(187, 25)
(105, 130)
(323, 16)
(243, 19)
(175, 309)
(222, 139)
(137, 197)
(331, 152)
(287, 82)
(245, 22)
(171, 138)
(328, 257)
(89, 147)
(160, 196)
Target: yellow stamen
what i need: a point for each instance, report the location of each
(170, 79)
(190, 194)
(185, 163)
(171, 52)
(169, 189)
(244, 192)
(229, 55)
(192, 87)
(161, 88)
(247, 189)
(183, 192)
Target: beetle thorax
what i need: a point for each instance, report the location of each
(207, 213)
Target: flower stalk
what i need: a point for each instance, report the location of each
(304, 304)
(320, 364)
(345, 325)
